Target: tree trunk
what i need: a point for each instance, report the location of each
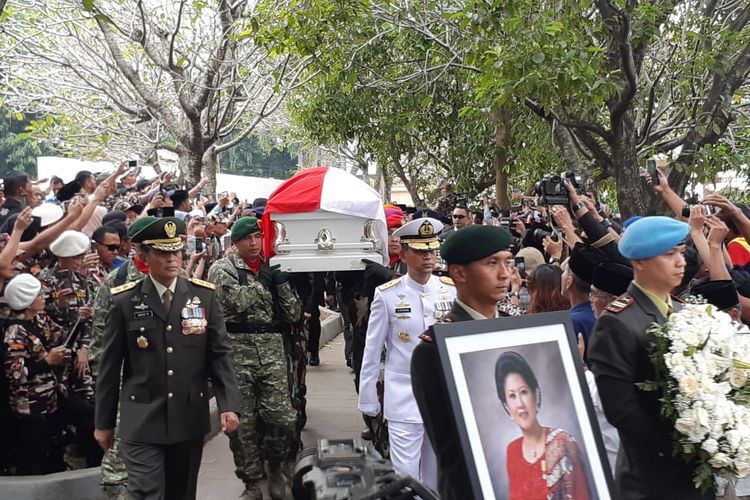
(564, 142)
(632, 192)
(210, 169)
(501, 119)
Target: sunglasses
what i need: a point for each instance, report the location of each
(111, 248)
(455, 216)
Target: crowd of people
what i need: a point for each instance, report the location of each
(124, 297)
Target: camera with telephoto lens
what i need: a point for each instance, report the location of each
(551, 189)
(540, 234)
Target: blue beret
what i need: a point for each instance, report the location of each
(628, 222)
(652, 236)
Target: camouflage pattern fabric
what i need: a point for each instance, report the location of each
(260, 364)
(32, 385)
(295, 347)
(64, 310)
(113, 469)
(267, 414)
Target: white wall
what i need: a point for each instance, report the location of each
(247, 188)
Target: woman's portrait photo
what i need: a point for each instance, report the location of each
(525, 415)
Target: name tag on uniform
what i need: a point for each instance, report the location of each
(142, 314)
(402, 310)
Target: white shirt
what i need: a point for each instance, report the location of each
(160, 289)
(402, 310)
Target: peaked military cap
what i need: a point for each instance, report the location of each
(420, 234)
(135, 228)
(163, 234)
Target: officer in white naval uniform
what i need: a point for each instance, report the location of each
(401, 310)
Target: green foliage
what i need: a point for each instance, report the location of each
(258, 158)
(17, 152)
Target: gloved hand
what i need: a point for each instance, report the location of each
(266, 275)
(281, 277)
(376, 274)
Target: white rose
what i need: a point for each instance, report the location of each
(710, 445)
(689, 386)
(689, 336)
(686, 424)
(737, 378)
(720, 460)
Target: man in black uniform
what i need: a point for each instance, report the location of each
(619, 357)
(480, 265)
(167, 335)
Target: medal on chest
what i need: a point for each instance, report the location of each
(193, 318)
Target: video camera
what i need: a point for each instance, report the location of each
(349, 468)
(552, 191)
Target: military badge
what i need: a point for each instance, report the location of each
(170, 229)
(142, 342)
(193, 318)
(404, 336)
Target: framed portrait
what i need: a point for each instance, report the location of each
(522, 407)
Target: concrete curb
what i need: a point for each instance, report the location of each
(331, 324)
(82, 484)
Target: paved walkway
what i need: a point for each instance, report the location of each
(331, 413)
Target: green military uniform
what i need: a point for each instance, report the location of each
(114, 475)
(254, 306)
(163, 351)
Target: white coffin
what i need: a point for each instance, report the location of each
(325, 241)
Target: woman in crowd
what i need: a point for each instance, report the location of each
(544, 463)
(545, 285)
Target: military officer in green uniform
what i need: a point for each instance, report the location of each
(479, 263)
(114, 477)
(165, 334)
(256, 299)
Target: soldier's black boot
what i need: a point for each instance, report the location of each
(276, 482)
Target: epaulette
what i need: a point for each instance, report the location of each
(447, 280)
(124, 288)
(620, 304)
(425, 338)
(386, 286)
(204, 284)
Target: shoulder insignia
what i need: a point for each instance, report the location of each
(447, 280)
(124, 288)
(386, 286)
(425, 338)
(620, 304)
(204, 284)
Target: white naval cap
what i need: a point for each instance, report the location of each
(70, 244)
(420, 234)
(21, 291)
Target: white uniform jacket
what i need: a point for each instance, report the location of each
(401, 310)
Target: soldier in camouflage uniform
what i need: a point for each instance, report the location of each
(68, 302)
(114, 478)
(256, 299)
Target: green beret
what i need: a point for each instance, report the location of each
(244, 226)
(473, 243)
(137, 226)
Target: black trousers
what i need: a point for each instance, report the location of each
(313, 338)
(77, 411)
(162, 471)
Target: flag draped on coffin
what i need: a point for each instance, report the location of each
(329, 189)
